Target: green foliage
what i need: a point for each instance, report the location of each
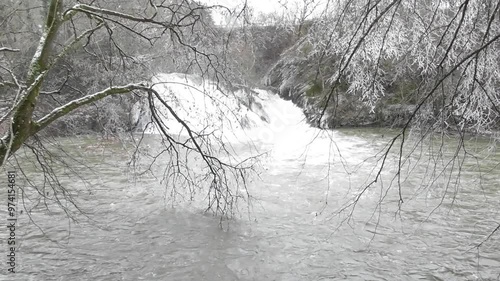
(315, 89)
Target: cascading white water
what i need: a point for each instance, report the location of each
(243, 115)
(203, 105)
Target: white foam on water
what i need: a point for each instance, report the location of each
(277, 125)
(201, 104)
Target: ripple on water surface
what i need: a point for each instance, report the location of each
(288, 234)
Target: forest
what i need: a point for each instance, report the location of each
(413, 86)
(395, 63)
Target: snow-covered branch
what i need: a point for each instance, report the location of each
(96, 11)
(72, 105)
(7, 49)
(15, 84)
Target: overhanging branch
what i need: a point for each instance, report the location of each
(69, 107)
(7, 49)
(101, 11)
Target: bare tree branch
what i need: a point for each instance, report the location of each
(69, 107)
(7, 49)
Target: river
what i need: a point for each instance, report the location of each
(298, 226)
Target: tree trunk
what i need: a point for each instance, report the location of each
(22, 119)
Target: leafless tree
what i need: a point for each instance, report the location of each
(450, 51)
(113, 35)
(442, 56)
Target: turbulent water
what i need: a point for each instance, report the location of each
(299, 225)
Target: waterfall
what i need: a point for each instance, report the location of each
(238, 115)
(207, 106)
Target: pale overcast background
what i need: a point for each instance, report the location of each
(263, 6)
(288, 7)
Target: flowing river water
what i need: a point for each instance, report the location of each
(299, 225)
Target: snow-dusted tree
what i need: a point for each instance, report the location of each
(449, 48)
(441, 56)
(118, 37)
(295, 15)
(438, 59)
